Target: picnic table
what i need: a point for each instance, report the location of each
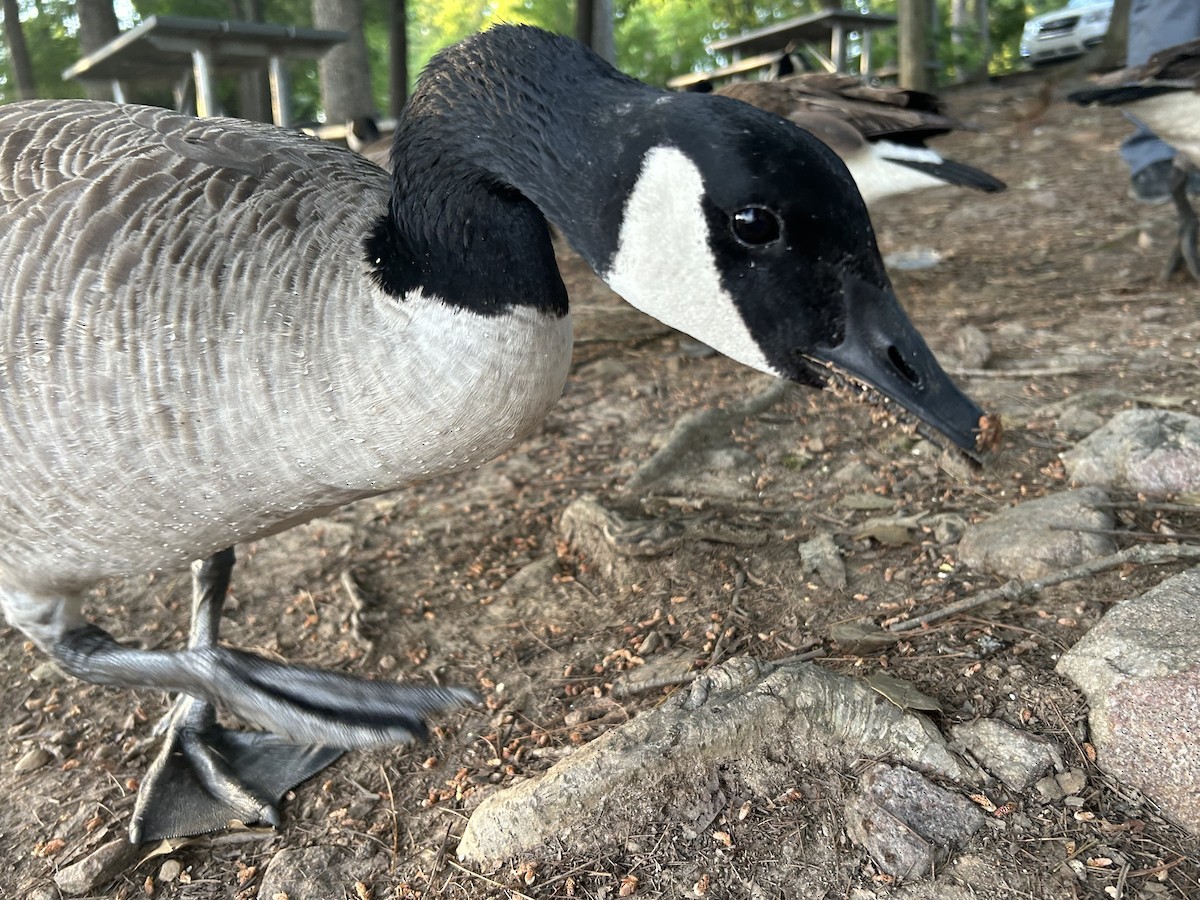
(197, 49)
(764, 47)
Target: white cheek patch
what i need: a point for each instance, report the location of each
(665, 266)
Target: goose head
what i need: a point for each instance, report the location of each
(747, 233)
(723, 221)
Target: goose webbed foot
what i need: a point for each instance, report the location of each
(205, 776)
(1184, 254)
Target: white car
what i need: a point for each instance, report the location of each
(1063, 33)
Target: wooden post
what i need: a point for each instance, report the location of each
(281, 91)
(202, 71)
(914, 44)
(594, 27)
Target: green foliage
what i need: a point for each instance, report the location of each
(51, 34)
(655, 39)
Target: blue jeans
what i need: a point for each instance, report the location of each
(1153, 26)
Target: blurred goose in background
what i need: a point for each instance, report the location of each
(214, 330)
(1165, 94)
(364, 138)
(879, 132)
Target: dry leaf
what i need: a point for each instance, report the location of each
(902, 693)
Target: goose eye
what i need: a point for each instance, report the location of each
(755, 226)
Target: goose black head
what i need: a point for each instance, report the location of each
(721, 220)
(747, 233)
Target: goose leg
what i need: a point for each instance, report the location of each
(308, 712)
(206, 776)
(1184, 253)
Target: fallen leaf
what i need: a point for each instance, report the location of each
(902, 693)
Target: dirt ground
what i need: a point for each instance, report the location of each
(1060, 272)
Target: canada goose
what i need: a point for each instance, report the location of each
(214, 330)
(879, 132)
(1165, 94)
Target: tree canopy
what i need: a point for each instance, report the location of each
(655, 39)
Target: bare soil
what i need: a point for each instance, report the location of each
(1060, 272)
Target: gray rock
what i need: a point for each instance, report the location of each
(33, 759)
(1050, 789)
(821, 555)
(1033, 539)
(907, 823)
(1140, 669)
(308, 873)
(1152, 451)
(948, 528)
(1071, 782)
(1015, 757)
(970, 347)
(1078, 421)
(170, 870)
(743, 713)
(96, 869)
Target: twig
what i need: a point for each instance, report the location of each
(1184, 536)
(1147, 505)
(1139, 554)
(1045, 372)
(392, 814)
(512, 891)
(1157, 870)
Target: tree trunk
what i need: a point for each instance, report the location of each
(1111, 52)
(914, 45)
(345, 72)
(397, 56)
(585, 12)
(18, 52)
(983, 17)
(958, 26)
(97, 26)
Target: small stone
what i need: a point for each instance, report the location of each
(1071, 782)
(1049, 788)
(820, 555)
(47, 671)
(1015, 757)
(1151, 451)
(1076, 422)
(1035, 538)
(907, 823)
(971, 347)
(34, 759)
(307, 873)
(948, 528)
(170, 870)
(94, 871)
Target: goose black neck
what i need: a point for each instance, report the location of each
(506, 130)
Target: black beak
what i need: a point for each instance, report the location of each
(882, 355)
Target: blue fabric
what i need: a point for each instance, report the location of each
(1153, 26)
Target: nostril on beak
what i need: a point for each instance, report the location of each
(906, 371)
